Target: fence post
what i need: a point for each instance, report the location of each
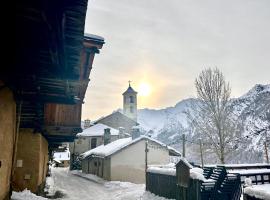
(146, 161)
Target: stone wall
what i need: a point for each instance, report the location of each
(116, 120)
(31, 161)
(7, 133)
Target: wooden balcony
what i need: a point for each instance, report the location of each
(62, 120)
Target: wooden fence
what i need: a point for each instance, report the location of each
(161, 185)
(165, 186)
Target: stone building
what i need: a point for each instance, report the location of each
(116, 120)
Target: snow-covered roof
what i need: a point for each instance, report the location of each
(59, 156)
(184, 160)
(94, 37)
(115, 146)
(97, 130)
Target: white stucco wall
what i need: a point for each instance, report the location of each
(129, 163)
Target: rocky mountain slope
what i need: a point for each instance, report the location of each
(252, 109)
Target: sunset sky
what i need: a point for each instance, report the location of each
(164, 44)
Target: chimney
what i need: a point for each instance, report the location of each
(86, 123)
(121, 132)
(135, 132)
(107, 136)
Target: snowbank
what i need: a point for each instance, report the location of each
(49, 187)
(26, 195)
(197, 173)
(160, 170)
(90, 177)
(258, 191)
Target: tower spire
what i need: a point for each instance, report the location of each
(130, 102)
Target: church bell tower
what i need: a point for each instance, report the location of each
(130, 103)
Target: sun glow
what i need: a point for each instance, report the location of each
(144, 89)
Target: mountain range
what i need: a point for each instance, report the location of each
(252, 109)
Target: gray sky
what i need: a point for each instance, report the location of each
(166, 43)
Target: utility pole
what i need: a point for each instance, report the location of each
(184, 145)
(266, 152)
(201, 152)
(146, 162)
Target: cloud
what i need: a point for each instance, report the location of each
(173, 41)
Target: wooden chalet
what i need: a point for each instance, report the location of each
(42, 93)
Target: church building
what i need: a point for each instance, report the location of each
(128, 118)
(120, 126)
(130, 103)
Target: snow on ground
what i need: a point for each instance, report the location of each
(78, 186)
(90, 177)
(26, 195)
(259, 191)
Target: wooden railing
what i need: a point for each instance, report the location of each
(222, 186)
(259, 173)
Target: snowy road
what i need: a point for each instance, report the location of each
(75, 187)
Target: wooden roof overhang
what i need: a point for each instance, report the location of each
(49, 39)
(91, 46)
(59, 122)
(65, 126)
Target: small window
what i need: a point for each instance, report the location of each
(95, 163)
(131, 99)
(93, 143)
(131, 109)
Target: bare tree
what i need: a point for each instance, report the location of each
(212, 116)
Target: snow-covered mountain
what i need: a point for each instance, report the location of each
(154, 121)
(253, 109)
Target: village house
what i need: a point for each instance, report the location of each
(61, 159)
(125, 159)
(92, 137)
(43, 91)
